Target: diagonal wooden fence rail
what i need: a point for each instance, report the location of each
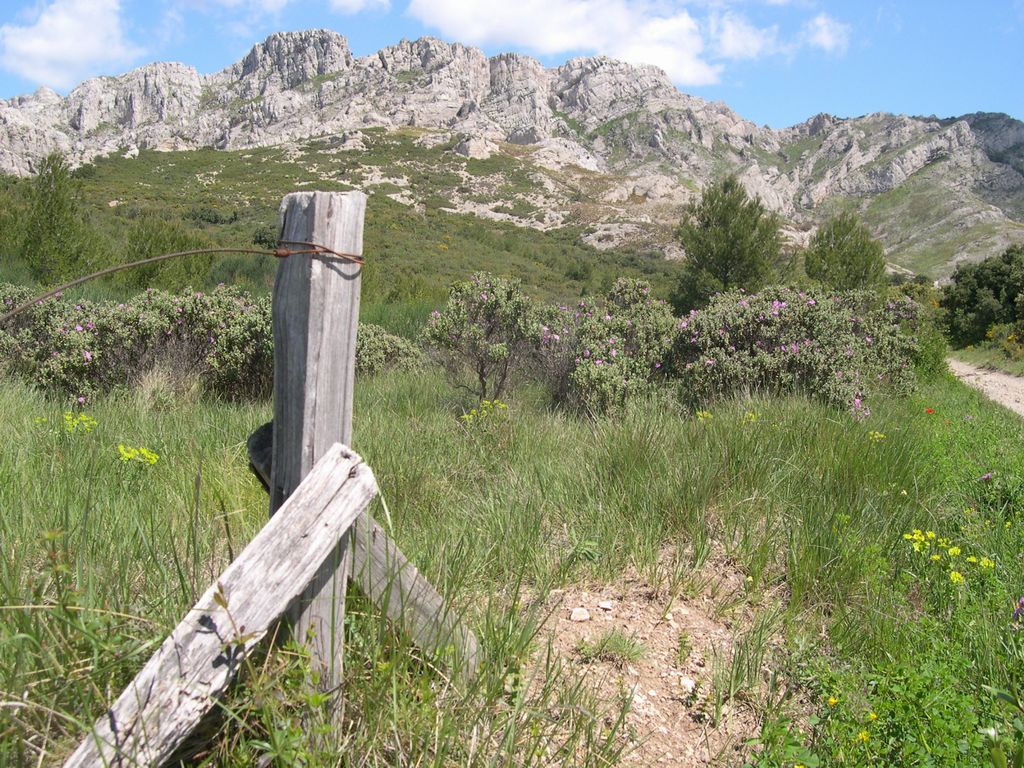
(320, 534)
(183, 680)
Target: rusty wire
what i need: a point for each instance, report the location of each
(310, 249)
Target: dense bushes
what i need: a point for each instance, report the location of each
(983, 295)
(597, 357)
(484, 334)
(378, 351)
(222, 338)
(602, 356)
(781, 340)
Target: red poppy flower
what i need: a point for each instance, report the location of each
(929, 410)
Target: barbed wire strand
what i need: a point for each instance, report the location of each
(311, 249)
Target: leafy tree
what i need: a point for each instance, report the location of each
(56, 240)
(843, 255)
(983, 295)
(731, 241)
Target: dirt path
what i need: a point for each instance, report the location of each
(1002, 387)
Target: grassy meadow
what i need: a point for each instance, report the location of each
(880, 562)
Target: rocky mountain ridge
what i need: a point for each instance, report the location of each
(958, 180)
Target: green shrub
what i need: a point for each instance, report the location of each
(56, 240)
(84, 348)
(148, 237)
(378, 351)
(983, 295)
(485, 334)
(782, 340)
(843, 256)
(602, 357)
(731, 241)
(222, 338)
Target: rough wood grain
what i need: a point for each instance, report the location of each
(395, 585)
(194, 665)
(315, 316)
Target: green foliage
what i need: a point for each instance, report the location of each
(413, 255)
(81, 349)
(378, 351)
(151, 236)
(919, 711)
(485, 333)
(602, 357)
(730, 241)
(843, 256)
(840, 349)
(56, 241)
(983, 295)
(221, 339)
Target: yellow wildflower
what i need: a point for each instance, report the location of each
(972, 559)
(863, 737)
(81, 422)
(832, 701)
(953, 551)
(936, 557)
(872, 716)
(956, 577)
(930, 535)
(140, 455)
(986, 563)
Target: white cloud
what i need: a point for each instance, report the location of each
(65, 41)
(737, 38)
(828, 34)
(637, 31)
(355, 6)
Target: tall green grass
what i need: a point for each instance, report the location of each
(101, 558)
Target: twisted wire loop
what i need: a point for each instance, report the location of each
(281, 252)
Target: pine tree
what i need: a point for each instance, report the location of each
(55, 238)
(844, 256)
(731, 241)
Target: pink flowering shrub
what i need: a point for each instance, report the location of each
(222, 338)
(839, 348)
(485, 335)
(83, 348)
(601, 357)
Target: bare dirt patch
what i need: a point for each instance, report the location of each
(668, 665)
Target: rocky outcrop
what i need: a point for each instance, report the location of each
(590, 115)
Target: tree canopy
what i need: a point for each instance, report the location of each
(985, 294)
(843, 256)
(731, 241)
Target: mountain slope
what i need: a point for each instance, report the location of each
(612, 147)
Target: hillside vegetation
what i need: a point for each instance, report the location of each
(596, 144)
(159, 201)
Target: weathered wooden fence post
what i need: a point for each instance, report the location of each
(315, 316)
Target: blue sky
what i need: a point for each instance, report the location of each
(774, 61)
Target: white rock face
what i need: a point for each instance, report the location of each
(590, 115)
(476, 148)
